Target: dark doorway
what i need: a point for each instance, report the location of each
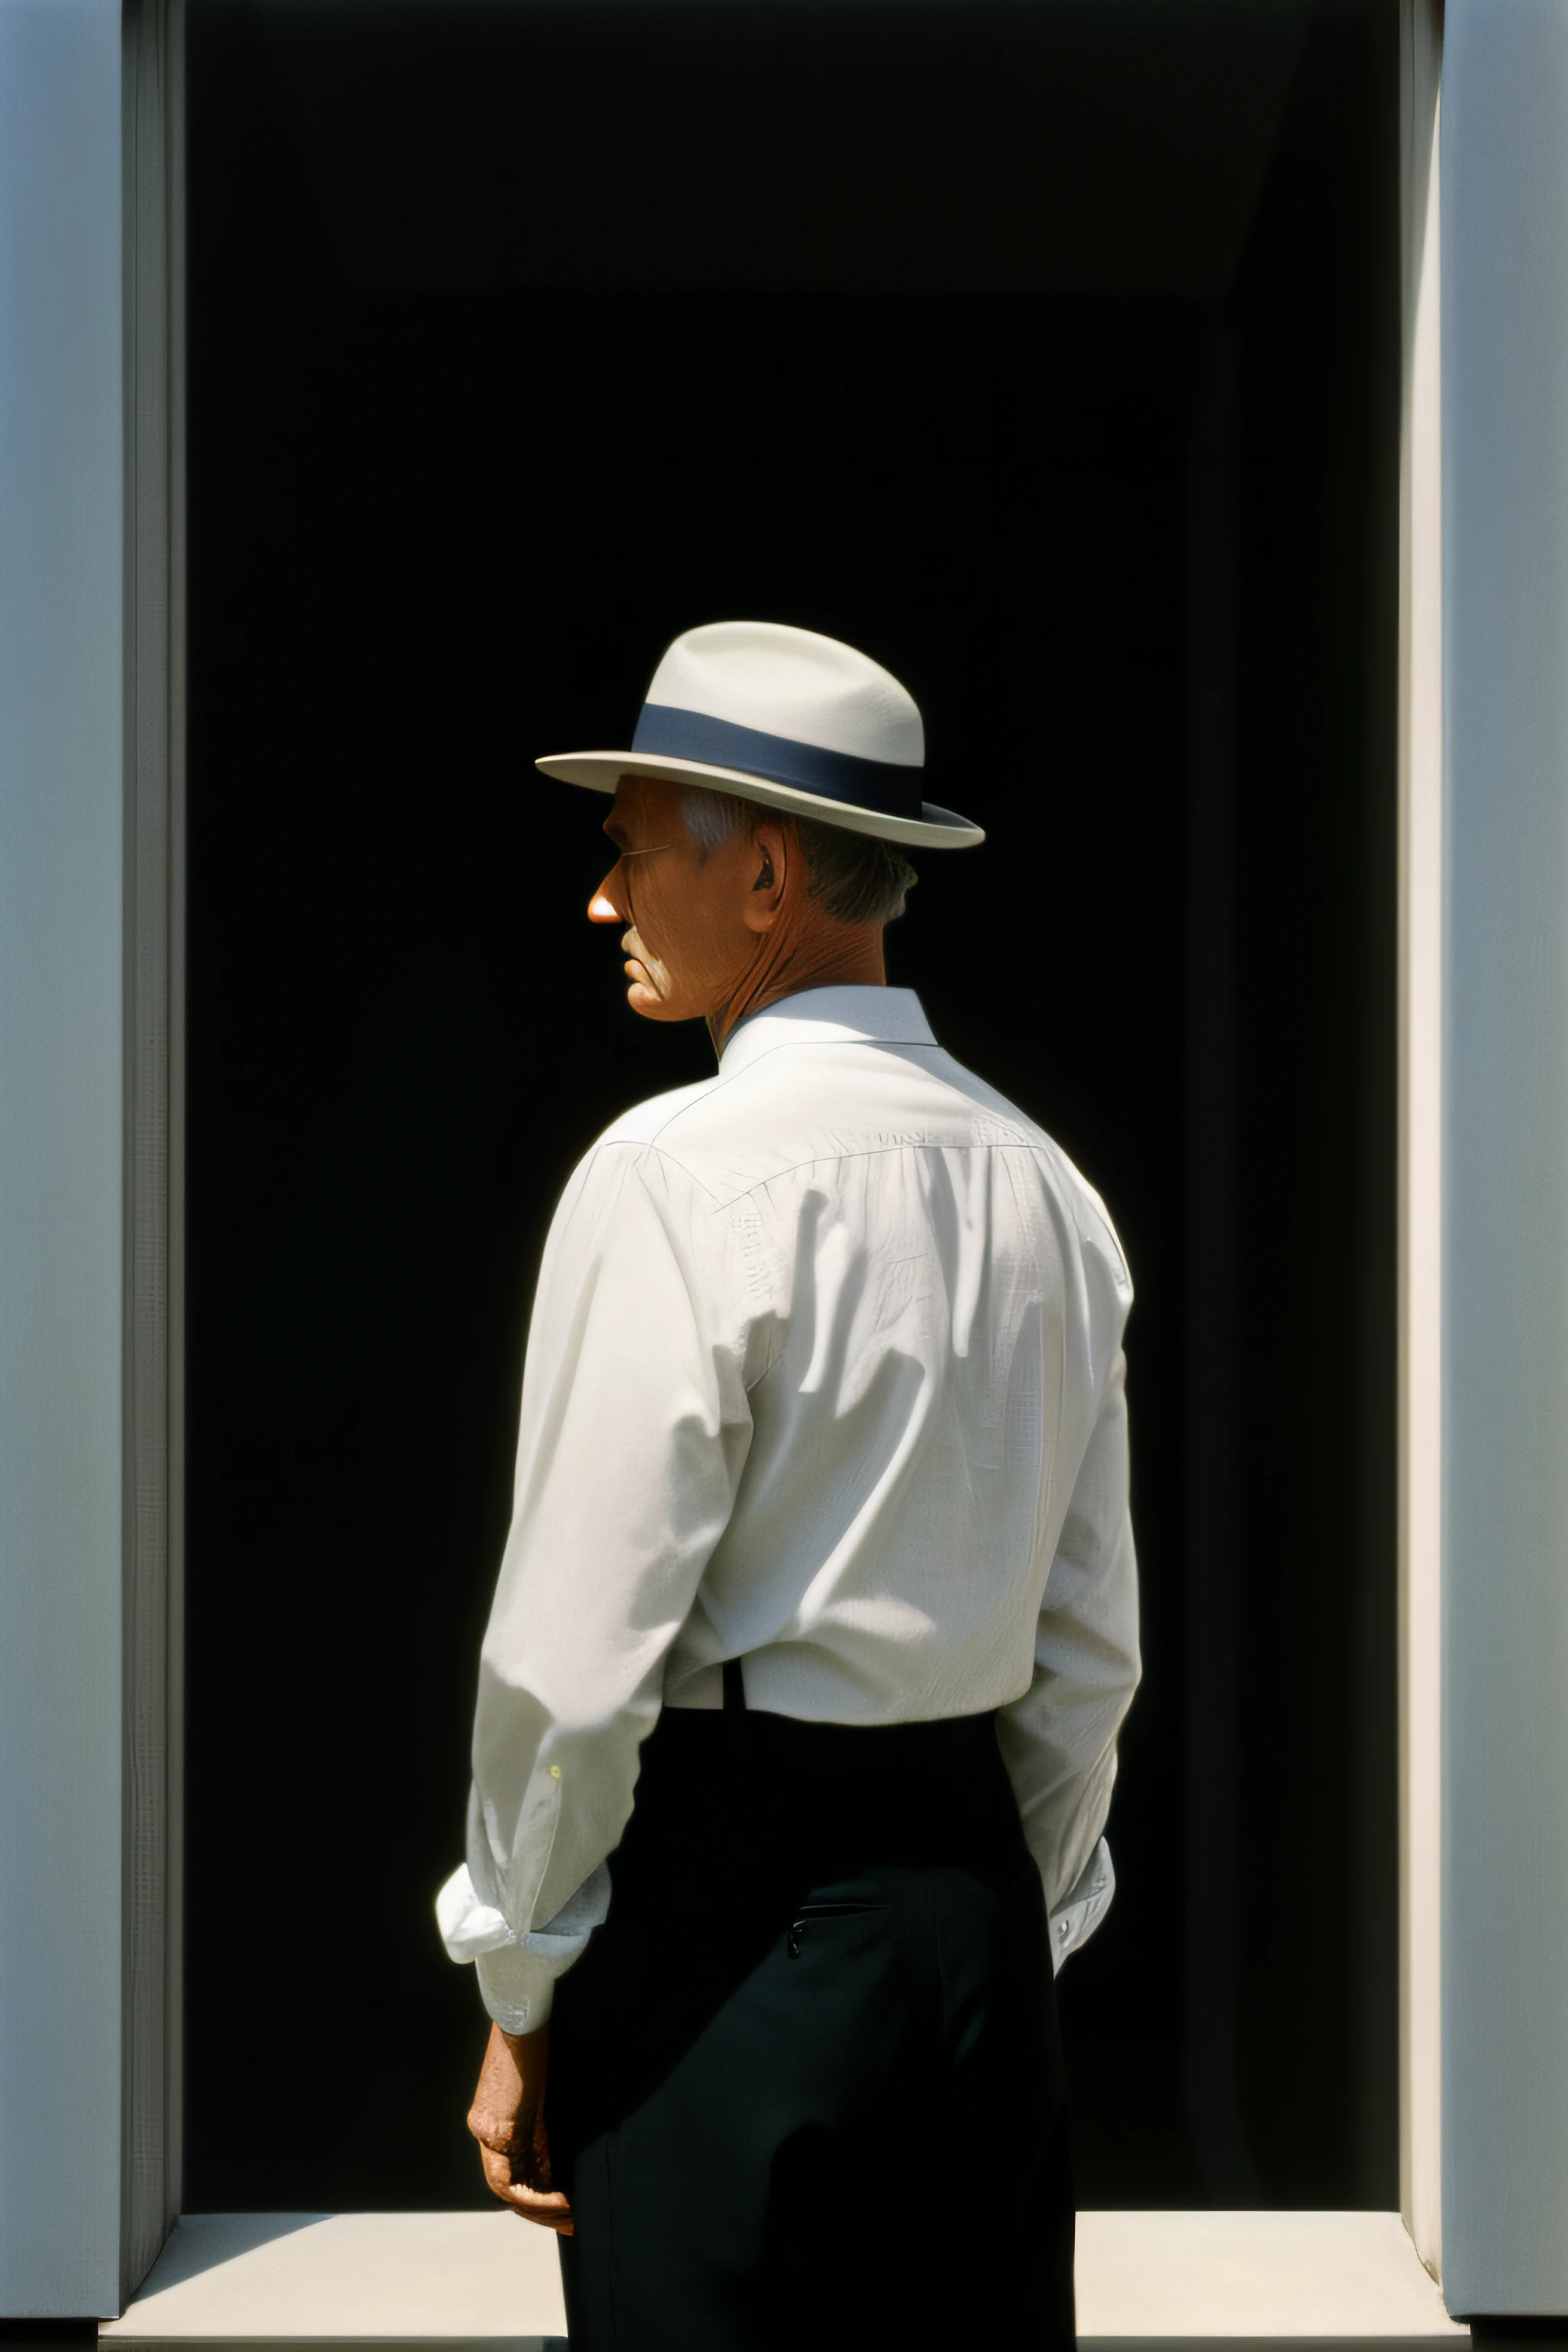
(1050, 355)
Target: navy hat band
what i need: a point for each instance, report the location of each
(670, 733)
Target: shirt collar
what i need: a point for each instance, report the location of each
(830, 1016)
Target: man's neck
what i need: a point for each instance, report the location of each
(834, 957)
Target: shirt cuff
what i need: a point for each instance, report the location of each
(516, 1973)
(1085, 1906)
(518, 1988)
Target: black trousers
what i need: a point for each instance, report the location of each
(806, 2084)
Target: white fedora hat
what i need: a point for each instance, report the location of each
(784, 717)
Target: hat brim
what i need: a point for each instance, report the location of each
(601, 772)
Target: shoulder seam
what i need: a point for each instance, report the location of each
(867, 1152)
(710, 1088)
(644, 1145)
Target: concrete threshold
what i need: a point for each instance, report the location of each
(489, 2283)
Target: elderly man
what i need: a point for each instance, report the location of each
(816, 1623)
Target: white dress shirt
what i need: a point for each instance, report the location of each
(825, 1373)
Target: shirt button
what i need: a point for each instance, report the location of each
(555, 1771)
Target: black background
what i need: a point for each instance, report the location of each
(519, 341)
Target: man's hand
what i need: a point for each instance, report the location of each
(507, 2118)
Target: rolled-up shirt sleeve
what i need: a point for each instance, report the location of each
(1059, 1739)
(634, 1431)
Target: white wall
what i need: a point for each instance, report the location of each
(1421, 1144)
(1505, 1601)
(61, 768)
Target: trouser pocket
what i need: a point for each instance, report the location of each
(808, 1913)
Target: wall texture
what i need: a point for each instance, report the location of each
(1505, 495)
(60, 1149)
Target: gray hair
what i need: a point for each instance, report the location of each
(856, 877)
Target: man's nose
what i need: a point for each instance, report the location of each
(602, 907)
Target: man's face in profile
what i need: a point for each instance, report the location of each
(689, 914)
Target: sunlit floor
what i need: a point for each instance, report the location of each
(481, 2280)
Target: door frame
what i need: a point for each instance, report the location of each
(103, 1603)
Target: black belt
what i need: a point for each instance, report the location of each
(826, 1797)
(864, 1753)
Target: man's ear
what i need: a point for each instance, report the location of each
(770, 848)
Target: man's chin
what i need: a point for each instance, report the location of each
(648, 1004)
